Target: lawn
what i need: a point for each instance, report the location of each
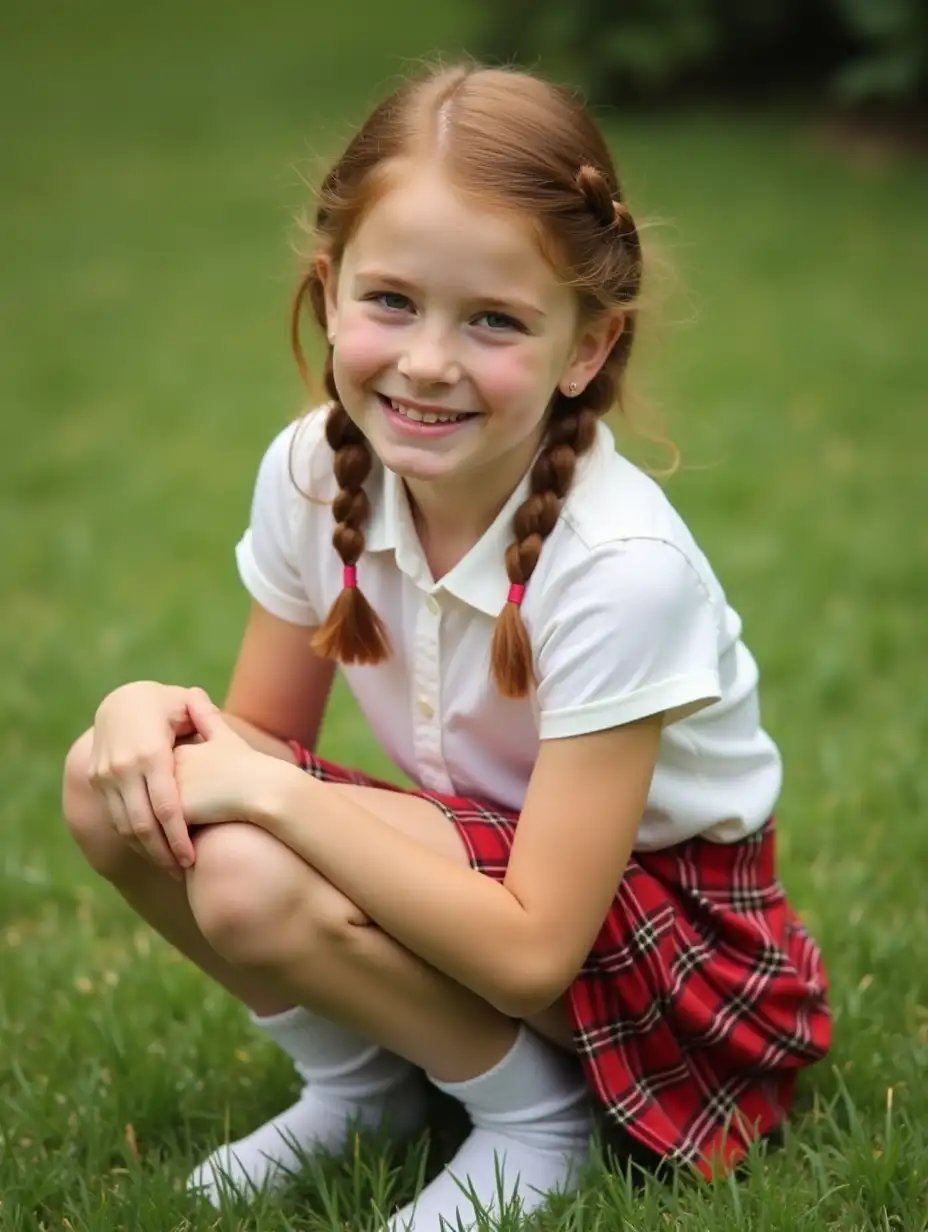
(152, 165)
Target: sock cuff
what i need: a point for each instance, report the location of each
(284, 1018)
(460, 1090)
(324, 1052)
(532, 1074)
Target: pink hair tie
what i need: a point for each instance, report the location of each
(516, 593)
(350, 577)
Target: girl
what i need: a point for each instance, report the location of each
(578, 907)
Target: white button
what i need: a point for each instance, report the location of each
(432, 605)
(425, 707)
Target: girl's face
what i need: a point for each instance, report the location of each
(451, 334)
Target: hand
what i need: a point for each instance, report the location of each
(132, 768)
(222, 778)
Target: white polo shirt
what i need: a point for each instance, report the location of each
(624, 614)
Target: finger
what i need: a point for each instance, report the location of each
(181, 741)
(205, 715)
(123, 827)
(145, 826)
(116, 810)
(164, 799)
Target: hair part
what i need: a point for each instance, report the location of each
(511, 141)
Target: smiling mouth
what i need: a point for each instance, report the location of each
(426, 417)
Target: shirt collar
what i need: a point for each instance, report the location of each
(479, 579)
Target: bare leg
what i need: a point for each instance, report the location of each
(158, 899)
(275, 933)
(272, 931)
(273, 987)
(263, 908)
(429, 826)
(261, 905)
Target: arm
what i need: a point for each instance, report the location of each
(517, 944)
(630, 639)
(604, 661)
(279, 688)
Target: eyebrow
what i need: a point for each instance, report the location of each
(519, 306)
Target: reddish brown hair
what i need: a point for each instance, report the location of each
(508, 140)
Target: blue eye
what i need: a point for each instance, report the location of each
(392, 301)
(499, 321)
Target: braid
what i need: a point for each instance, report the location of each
(610, 212)
(596, 193)
(623, 266)
(630, 287)
(352, 632)
(571, 432)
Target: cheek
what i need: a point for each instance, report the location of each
(362, 348)
(512, 376)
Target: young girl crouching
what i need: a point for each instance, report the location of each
(578, 908)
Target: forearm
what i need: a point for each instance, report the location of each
(454, 918)
(256, 737)
(261, 741)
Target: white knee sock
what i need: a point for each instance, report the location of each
(532, 1120)
(350, 1083)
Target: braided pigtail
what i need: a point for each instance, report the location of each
(571, 432)
(621, 266)
(616, 267)
(618, 271)
(352, 632)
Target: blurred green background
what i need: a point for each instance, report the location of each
(851, 53)
(153, 161)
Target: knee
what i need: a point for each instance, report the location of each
(259, 904)
(85, 816)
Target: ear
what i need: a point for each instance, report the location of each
(595, 340)
(328, 276)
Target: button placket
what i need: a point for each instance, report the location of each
(426, 682)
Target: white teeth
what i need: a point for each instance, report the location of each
(428, 417)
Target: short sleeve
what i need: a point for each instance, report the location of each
(268, 552)
(630, 634)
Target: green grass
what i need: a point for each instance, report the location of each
(149, 173)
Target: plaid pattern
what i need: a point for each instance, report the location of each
(701, 998)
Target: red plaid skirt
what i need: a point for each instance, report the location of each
(703, 994)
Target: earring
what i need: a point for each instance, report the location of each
(572, 389)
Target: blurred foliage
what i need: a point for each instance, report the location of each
(892, 58)
(848, 51)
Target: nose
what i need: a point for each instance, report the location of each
(429, 357)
